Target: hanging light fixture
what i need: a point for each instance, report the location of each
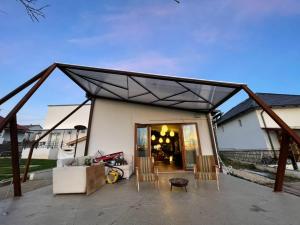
(162, 133)
(164, 128)
(160, 140)
(172, 133)
(168, 140)
(153, 137)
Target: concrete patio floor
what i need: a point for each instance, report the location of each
(238, 202)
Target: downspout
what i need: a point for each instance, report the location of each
(268, 134)
(213, 140)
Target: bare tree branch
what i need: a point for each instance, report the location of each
(32, 10)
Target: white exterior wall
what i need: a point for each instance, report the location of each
(113, 125)
(289, 115)
(57, 112)
(249, 136)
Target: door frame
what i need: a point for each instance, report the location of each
(181, 141)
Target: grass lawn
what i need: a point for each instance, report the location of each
(36, 164)
(236, 164)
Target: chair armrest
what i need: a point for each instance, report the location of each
(156, 170)
(217, 169)
(137, 173)
(195, 169)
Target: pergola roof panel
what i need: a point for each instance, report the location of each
(167, 91)
(108, 78)
(160, 88)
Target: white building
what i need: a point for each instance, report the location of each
(246, 132)
(60, 142)
(136, 130)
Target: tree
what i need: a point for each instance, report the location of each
(33, 11)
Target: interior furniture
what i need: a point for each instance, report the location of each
(145, 171)
(179, 182)
(206, 169)
(78, 179)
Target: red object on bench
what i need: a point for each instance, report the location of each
(109, 157)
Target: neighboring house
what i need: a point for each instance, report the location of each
(58, 141)
(247, 133)
(33, 132)
(5, 138)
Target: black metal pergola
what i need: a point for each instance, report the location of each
(139, 88)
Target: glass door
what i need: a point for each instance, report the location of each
(190, 145)
(142, 142)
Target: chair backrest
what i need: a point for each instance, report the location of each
(146, 169)
(206, 167)
(145, 165)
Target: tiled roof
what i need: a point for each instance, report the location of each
(273, 100)
(20, 127)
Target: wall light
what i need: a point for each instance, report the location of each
(160, 140)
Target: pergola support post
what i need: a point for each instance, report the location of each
(86, 150)
(284, 152)
(15, 156)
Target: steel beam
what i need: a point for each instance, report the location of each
(15, 156)
(21, 87)
(44, 135)
(284, 152)
(21, 103)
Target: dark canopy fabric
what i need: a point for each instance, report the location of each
(167, 91)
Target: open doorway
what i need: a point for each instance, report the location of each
(166, 147)
(173, 147)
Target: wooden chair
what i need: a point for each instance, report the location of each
(145, 171)
(206, 169)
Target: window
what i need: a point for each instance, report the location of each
(191, 144)
(240, 123)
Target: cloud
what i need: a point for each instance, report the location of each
(150, 62)
(258, 9)
(189, 25)
(115, 26)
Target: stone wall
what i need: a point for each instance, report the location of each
(252, 156)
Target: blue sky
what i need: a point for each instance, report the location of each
(256, 42)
